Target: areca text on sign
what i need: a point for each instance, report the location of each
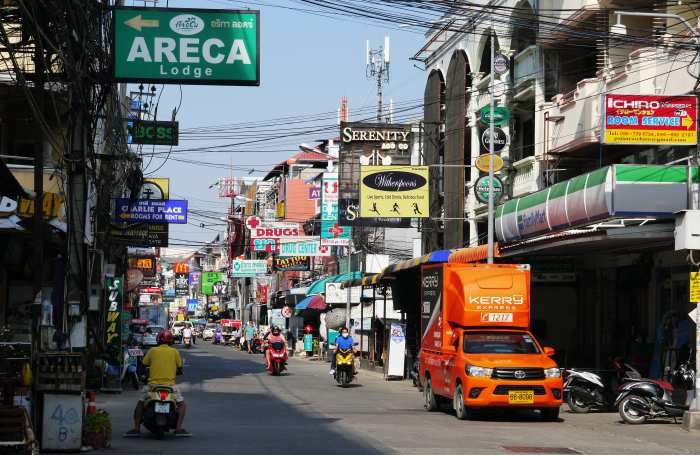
(187, 46)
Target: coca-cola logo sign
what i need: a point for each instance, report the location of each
(394, 181)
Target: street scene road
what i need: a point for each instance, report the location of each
(235, 406)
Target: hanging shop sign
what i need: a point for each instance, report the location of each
(481, 189)
(331, 232)
(303, 246)
(195, 278)
(173, 211)
(399, 191)
(291, 264)
(501, 115)
(182, 285)
(501, 64)
(500, 139)
(264, 245)
(192, 305)
(364, 144)
(181, 267)
(139, 234)
(186, 46)
(694, 284)
(113, 330)
(155, 188)
(210, 280)
(51, 206)
(248, 267)
(276, 230)
(154, 132)
(315, 192)
(145, 264)
(482, 162)
(650, 120)
(335, 293)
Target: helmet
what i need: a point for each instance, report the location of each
(165, 337)
(276, 330)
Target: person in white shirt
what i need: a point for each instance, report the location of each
(187, 333)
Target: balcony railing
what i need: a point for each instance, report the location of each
(525, 66)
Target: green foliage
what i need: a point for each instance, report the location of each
(99, 421)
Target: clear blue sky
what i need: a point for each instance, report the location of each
(308, 63)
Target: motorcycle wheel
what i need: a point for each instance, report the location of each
(628, 413)
(576, 404)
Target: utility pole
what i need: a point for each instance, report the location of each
(493, 102)
(378, 68)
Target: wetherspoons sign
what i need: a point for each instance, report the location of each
(187, 46)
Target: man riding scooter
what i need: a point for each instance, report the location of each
(343, 343)
(164, 364)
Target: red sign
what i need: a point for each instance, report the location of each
(150, 291)
(262, 294)
(267, 245)
(650, 119)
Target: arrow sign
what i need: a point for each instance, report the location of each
(687, 122)
(137, 23)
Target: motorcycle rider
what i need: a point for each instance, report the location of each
(165, 363)
(344, 341)
(187, 333)
(274, 336)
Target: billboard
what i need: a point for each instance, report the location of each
(399, 191)
(291, 264)
(144, 234)
(173, 211)
(650, 120)
(182, 285)
(369, 144)
(210, 281)
(186, 46)
(144, 264)
(331, 232)
(303, 246)
(113, 328)
(153, 132)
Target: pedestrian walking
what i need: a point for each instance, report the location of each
(250, 332)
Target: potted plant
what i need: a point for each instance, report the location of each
(97, 430)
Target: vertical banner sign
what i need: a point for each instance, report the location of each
(397, 191)
(331, 231)
(186, 46)
(431, 296)
(182, 285)
(650, 120)
(115, 296)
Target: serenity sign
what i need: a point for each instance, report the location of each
(187, 46)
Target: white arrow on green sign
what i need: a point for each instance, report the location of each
(187, 46)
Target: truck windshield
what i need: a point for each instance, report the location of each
(499, 343)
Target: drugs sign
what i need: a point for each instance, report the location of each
(186, 46)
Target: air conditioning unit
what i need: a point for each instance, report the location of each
(687, 231)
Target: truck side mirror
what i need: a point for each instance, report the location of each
(549, 352)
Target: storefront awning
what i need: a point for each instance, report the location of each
(472, 254)
(435, 257)
(613, 192)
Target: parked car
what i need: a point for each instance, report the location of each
(150, 338)
(208, 332)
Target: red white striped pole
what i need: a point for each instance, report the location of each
(91, 402)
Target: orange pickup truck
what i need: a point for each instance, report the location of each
(476, 349)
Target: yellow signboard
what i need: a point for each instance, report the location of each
(695, 287)
(155, 188)
(280, 210)
(394, 192)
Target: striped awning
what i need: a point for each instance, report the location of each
(472, 254)
(435, 257)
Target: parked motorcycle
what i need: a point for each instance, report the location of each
(160, 411)
(278, 358)
(257, 346)
(585, 390)
(415, 374)
(187, 342)
(344, 366)
(642, 399)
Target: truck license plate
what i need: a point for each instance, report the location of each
(521, 396)
(163, 408)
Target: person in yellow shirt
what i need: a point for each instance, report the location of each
(164, 364)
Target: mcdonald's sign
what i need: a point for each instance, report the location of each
(181, 267)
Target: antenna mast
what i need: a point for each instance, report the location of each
(378, 68)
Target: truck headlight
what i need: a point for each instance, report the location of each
(473, 370)
(552, 373)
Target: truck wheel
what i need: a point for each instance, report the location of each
(461, 410)
(431, 403)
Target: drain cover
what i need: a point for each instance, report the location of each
(522, 449)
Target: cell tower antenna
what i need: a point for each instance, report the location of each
(377, 61)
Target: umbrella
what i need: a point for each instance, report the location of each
(312, 302)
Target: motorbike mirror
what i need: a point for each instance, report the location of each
(356, 343)
(549, 352)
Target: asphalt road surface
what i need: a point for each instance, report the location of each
(236, 407)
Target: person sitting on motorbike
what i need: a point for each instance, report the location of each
(164, 364)
(344, 341)
(187, 333)
(274, 336)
